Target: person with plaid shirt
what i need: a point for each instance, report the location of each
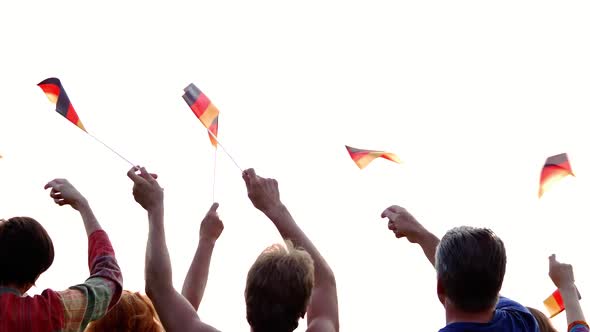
(26, 251)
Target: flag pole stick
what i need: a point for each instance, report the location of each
(108, 147)
(214, 173)
(224, 150)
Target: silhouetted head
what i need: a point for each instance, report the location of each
(26, 251)
(133, 313)
(470, 267)
(278, 288)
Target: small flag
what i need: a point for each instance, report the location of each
(362, 158)
(57, 95)
(554, 303)
(556, 168)
(203, 109)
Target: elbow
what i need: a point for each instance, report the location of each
(154, 287)
(150, 290)
(326, 277)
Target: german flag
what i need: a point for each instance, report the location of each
(362, 158)
(556, 168)
(57, 95)
(554, 303)
(203, 109)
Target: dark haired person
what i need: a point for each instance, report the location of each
(470, 264)
(283, 285)
(26, 251)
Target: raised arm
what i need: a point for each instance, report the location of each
(403, 224)
(175, 312)
(322, 312)
(64, 193)
(562, 276)
(91, 300)
(196, 278)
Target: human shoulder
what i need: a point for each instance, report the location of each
(48, 296)
(505, 303)
(321, 325)
(515, 315)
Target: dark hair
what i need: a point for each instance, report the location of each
(470, 265)
(26, 251)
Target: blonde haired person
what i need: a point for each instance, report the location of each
(278, 285)
(134, 313)
(270, 304)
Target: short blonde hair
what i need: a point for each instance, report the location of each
(134, 312)
(278, 288)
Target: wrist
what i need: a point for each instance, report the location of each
(81, 205)
(274, 211)
(567, 287)
(424, 237)
(156, 210)
(207, 241)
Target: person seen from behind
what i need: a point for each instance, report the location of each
(26, 251)
(470, 264)
(284, 285)
(134, 313)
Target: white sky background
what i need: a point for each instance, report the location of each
(472, 96)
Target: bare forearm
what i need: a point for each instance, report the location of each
(158, 270)
(196, 278)
(429, 242)
(289, 230)
(173, 309)
(90, 222)
(573, 310)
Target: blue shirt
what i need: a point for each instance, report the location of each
(509, 317)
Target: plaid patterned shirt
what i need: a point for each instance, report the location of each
(74, 308)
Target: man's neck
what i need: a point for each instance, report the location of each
(456, 316)
(10, 288)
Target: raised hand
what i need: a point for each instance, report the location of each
(561, 274)
(63, 192)
(263, 192)
(146, 190)
(403, 224)
(211, 226)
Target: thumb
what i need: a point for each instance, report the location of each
(214, 207)
(249, 176)
(145, 174)
(390, 215)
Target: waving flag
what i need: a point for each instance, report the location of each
(57, 95)
(203, 109)
(362, 158)
(556, 168)
(554, 303)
